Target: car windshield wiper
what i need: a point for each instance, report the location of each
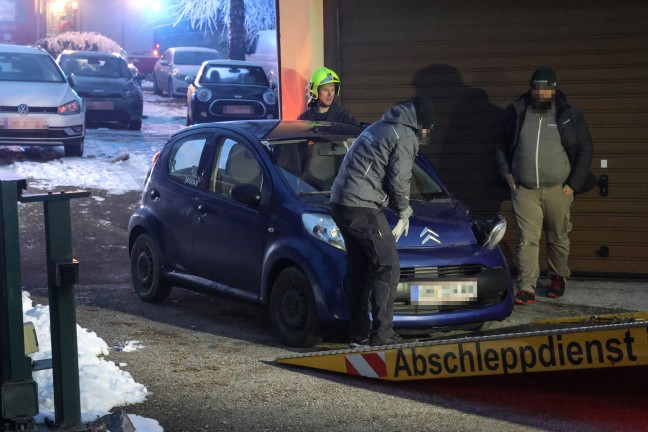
(315, 193)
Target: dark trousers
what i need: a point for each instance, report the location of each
(373, 271)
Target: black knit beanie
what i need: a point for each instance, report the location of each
(424, 112)
(543, 78)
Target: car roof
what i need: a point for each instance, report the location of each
(203, 49)
(23, 49)
(217, 62)
(280, 129)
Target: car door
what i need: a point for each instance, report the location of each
(229, 237)
(173, 193)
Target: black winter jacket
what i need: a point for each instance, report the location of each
(377, 170)
(574, 135)
(335, 113)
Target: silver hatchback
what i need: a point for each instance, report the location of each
(37, 103)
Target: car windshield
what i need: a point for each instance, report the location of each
(309, 166)
(194, 57)
(245, 75)
(29, 67)
(105, 67)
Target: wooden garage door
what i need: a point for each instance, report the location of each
(472, 58)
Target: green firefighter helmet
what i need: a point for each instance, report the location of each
(321, 76)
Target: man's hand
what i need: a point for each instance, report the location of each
(510, 181)
(567, 190)
(403, 223)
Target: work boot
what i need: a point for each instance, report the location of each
(556, 287)
(391, 340)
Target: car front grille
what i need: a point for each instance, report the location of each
(32, 110)
(238, 108)
(411, 274)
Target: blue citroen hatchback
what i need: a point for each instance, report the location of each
(241, 209)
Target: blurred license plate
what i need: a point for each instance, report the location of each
(237, 109)
(99, 105)
(23, 123)
(447, 292)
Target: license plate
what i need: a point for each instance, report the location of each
(237, 109)
(447, 292)
(99, 105)
(23, 123)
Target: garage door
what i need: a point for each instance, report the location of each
(474, 57)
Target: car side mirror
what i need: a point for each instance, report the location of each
(140, 77)
(164, 62)
(247, 194)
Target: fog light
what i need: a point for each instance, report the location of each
(77, 128)
(203, 114)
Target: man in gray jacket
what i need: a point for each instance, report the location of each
(375, 174)
(544, 151)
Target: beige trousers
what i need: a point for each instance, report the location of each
(536, 210)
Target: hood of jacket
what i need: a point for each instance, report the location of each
(404, 114)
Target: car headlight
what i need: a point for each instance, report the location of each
(203, 94)
(69, 108)
(490, 232)
(131, 90)
(270, 97)
(323, 228)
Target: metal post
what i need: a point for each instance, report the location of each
(19, 394)
(62, 274)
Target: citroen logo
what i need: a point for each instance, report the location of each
(427, 234)
(23, 109)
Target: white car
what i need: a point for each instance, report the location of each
(37, 103)
(175, 64)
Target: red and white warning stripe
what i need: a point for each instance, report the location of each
(370, 365)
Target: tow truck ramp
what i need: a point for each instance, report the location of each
(600, 341)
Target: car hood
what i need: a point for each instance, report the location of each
(434, 224)
(98, 86)
(36, 94)
(189, 70)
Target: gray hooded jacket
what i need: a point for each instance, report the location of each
(377, 169)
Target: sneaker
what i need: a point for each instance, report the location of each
(359, 343)
(524, 297)
(556, 287)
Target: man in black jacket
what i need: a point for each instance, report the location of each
(544, 151)
(376, 173)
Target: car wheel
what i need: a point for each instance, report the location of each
(146, 270)
(135, 125)
(189, 121)
(292, 309)
(75, 150)
(156, 90)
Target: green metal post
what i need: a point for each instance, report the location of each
(18, 391)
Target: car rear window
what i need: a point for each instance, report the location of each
(29, 68)
(194, 57)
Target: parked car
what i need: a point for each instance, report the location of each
(109, 89)
(230, 90)
(175, 64)
(38, 104)
(241, 209)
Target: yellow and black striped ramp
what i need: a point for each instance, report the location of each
(518, 350)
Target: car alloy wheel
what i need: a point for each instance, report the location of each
(146, 270)
(292, 309)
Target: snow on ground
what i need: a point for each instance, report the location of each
(114, 160)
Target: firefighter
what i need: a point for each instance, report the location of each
(324, 86)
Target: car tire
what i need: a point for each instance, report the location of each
(135, 125)
(156, 90)
(146, 270)
(292, 309)
(189, 121)
(75, 150)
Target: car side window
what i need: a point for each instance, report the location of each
(185, 159)
(234, 165)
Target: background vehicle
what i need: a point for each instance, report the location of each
(39, 106)
(230, 90)
(106, 83)
(175, 64)
(241, 209)
(263, 51)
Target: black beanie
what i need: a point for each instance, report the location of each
(544, 78)
(424, 112)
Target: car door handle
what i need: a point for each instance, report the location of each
(154, 194)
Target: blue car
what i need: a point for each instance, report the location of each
(241, 209)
